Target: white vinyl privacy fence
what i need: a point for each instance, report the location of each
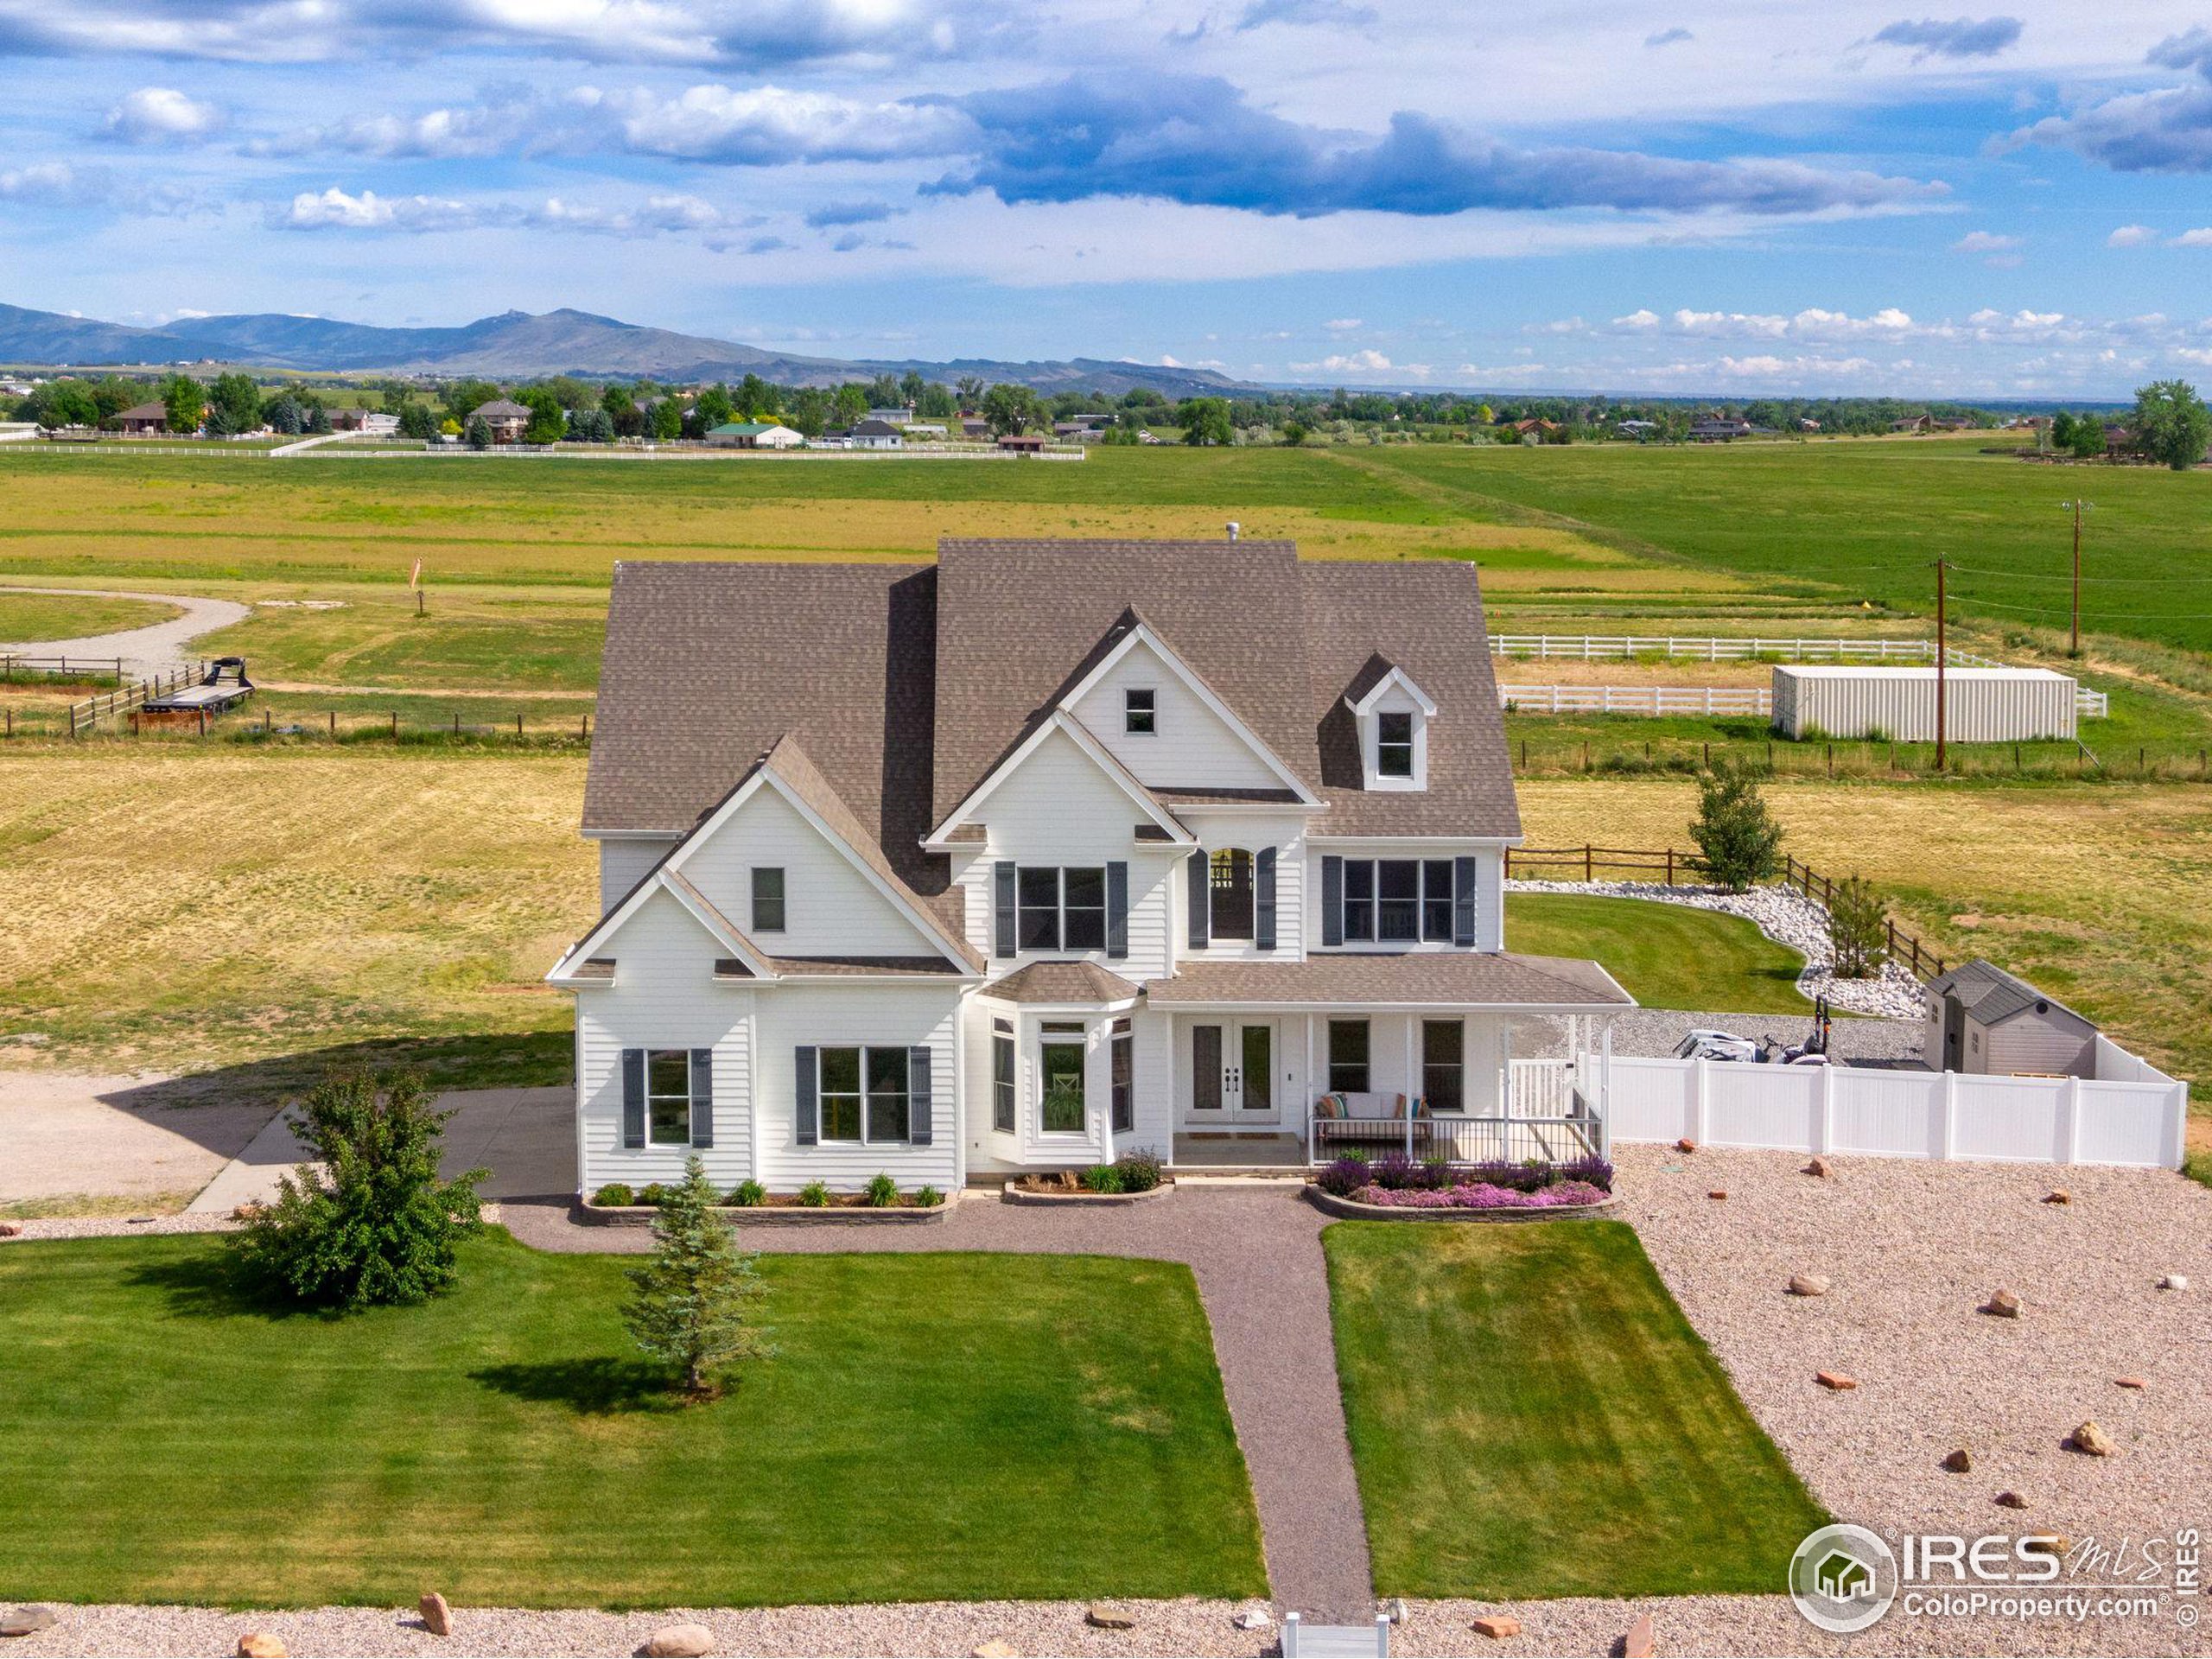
(2129, 1114)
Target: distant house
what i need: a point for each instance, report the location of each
(1807, 423)
(1638, 429)
(972, 426)
(1023, 443)
(1718, 429)
(376, 425)
(1911, 423)
(141, 420)
(2118, 440)
(754, 434)
(924, 428)
(506, 418)
(898, 415)
(873, 434)
(1538, 429)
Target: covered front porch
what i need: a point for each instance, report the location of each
(1294, 1064)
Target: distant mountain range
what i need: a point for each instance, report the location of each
(516, 345)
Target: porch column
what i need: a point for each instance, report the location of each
(1605, 1094)
(1413, 1022)
(1307, 1080)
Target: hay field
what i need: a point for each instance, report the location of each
(180, 909)
(2100, 893)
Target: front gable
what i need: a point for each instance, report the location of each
(1190, 744)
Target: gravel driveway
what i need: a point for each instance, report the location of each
(143, 651)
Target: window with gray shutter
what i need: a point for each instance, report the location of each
(703, 1097)
(1201, 896)
(1332, 899)
(1463, 901)
(1264, 888)
(918, 1096)
(802, 1075)
(1003, 934)
(1118, 911)
(633, 1097)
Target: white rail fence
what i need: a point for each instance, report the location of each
(1636, 699)
(1622, 647)
(2132, 1114)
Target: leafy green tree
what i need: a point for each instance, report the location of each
(1010, 408)
(237, 401)
(2088, 442)
(2062, 430)
(884, 391)
(185, 401)
(692, 1305)
(1858, 931)
(1737, 838)
(1205, 420)
(912, 386)
(2170, 423)
(971, 388)
(621, 409)
(62, 403)
(1293, 433)
(464, 398)
(711, 409)
(848, 404)
(549, 422)
(809, 412)
(936, 401)
(376, 1224)
(418, 421)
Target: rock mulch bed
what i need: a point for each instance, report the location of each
(1912, 1251)
(116, 1227)
(1785, 916)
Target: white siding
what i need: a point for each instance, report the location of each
(832, 907)
(2028, 1043)
(1980, 705)
(663, 997)
(828, 1015)
(1190, 747)
(1489, 887)
(622, 864)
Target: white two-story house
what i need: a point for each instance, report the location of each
(1046, 851)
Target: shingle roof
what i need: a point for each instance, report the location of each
(1410, 979)
(1992, 995)
(1061, 982)
(502, 408)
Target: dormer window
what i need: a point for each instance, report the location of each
(1394, 743)
(1139, 713)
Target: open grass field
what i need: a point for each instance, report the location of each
(1666, 956)
(46, 616)
(1532, 1416)
(506, 1445)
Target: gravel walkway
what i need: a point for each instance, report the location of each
(143, 651)
(1256, 1249)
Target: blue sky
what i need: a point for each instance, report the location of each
(1715, 196)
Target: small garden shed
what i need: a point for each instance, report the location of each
(1981, 1018)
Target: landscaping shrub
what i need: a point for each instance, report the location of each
(747, 1195)
(1345, 1177)
(815, 1196)
(653, 1194)
(882, 1192)
(691, 1306)
(1739, 840)
(614, 1195)
(928, 1197)
(1102, 1178)
(1140, 1170)
(376, 1225)
(1858, 930)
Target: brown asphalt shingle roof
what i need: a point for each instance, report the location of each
(1061, 982)
(1409, 978)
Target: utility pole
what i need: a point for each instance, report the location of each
(1942, 665)
(2079, 506)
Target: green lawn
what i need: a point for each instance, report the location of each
(1531, 1415)
(50, 616)
(1667, 955)
(936, 1425)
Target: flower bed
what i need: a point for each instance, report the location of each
(1483, 1195)
(1398, 1173)
(1132, 1176)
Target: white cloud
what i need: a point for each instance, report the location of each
(335, 209)
(1342, 325)
(1366, 362)
(771, 126)
(1638, 319)
(41, 181)
(2132, 236)
(1985, 242)
(2197, 238)
(162, 115)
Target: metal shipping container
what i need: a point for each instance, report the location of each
(1984, 705)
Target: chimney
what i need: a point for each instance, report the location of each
(1232, 529)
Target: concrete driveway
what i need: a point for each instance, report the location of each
(66, 1137)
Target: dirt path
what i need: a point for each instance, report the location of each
(1257, 1251)
(142, 650)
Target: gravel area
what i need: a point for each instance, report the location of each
(1912, 1249)
(1653, 1032)
(143, 651)
(1788, 918)
(116, 1227)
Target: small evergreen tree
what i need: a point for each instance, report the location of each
(376, 1224)
(1740, 841)
(691, 1306)
(1858, 931)
(478, 432)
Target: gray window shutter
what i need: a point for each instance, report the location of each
(703, 1097)
(803, 1066)
(1463, 901)
(1201, 898)
(1118, 911)
(1332, 899)
(633, 1097)
(1263, 899)
(918, 1096)
(1004, 937)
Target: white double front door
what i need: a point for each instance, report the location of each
(1233, 1074)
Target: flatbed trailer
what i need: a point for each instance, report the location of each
(224, 687)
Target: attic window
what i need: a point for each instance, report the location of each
(1140, 714)
(1394, 743)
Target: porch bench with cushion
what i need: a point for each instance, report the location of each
(1370, 1119)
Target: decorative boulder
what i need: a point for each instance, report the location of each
(437, 1616)
(679, 1641)
(1818, 1169)
(1686, 1145)
(1393, 1610)
(2011, 1501)
(2092, 1440)
(27, 1621)
(2174, 1281)
(2003, 1304)
(1255, 1618)
(1497, 1626)
(1958, 1462)
(1104, 1615)
(10, 1229)
(2129, 1383)
(257, 1644)
(1640, 1643)
(2049, 1543)
(1809, 1284)
(2058, 1195)
(1717, 1192)
(997, 1648)
(1835, 1380)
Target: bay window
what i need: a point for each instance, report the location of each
(1063, 1106)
